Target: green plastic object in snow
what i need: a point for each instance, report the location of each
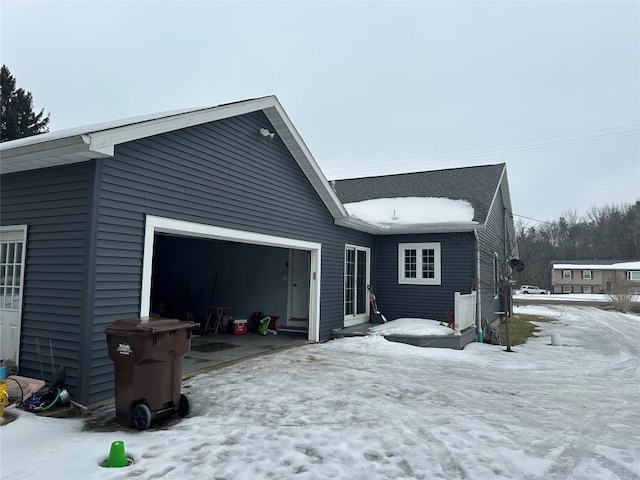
(117, 457)
(264, 326)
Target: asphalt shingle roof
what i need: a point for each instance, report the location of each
(477, 185)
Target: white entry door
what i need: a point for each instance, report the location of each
(12, 255)
(300, 285)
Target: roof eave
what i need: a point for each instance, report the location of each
(357, 224)
(63, 151)
(101, 143)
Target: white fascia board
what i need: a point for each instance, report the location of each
(99, 144)
(298, 149)
(357, 224)
(62, 144)
(495, 194)
(47, 154)
(128, 133)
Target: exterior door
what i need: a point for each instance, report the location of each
(300, 285)
(12, 256)
(356, 279)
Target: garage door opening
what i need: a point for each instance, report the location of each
(189, 267)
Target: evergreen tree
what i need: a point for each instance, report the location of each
(18, 119)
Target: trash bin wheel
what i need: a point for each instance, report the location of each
(184, 407)
(141, 416)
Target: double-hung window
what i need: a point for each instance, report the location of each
(567, 274)
(586, 275)
(419, 263)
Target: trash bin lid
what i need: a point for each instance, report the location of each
(143, 326)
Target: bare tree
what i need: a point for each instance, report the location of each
(622, 296)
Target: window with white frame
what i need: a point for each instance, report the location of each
(567, 274)
(10, 274)
(356, 278)
(633, 275)
(419, 263)
(586, 289)
(567, 289)
(586, 275)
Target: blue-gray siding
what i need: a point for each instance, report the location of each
(55, 205)
(424, 301)
(86, 230)
(223, 173)
(491, 242)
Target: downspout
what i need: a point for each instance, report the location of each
(478, 290)
(86, 313)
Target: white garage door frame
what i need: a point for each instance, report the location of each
(189, 229)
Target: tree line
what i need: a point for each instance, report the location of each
(611, 232)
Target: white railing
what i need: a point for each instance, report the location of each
(465, 310)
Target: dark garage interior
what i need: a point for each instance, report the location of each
(190, 274)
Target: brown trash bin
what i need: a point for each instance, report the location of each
(147, 355)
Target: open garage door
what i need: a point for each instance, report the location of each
(188, 267)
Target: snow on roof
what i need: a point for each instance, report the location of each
(411, 211)
(589, 266)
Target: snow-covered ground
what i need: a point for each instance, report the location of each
(413, 327)
(564, 297)
(366, 408)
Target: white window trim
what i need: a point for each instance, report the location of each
(567, 289)
(586, 274)
(21, 232)
(630, 275)
(356, 319)
(435, 246)
(564, 277)
(587, 287)
(190, 229)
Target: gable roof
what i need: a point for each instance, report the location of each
(98, 141)
(477, 185)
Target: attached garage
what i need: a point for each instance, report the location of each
(126, 216)
(189, 267)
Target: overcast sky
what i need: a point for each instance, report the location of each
(550, 88)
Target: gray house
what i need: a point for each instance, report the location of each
(225, 205)
(468, 254)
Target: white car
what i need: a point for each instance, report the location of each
(533, 289)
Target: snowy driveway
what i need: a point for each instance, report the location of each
(365, 408)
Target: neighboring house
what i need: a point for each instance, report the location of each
(594, 276)
(214, 206)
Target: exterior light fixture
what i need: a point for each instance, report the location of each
(266, 133)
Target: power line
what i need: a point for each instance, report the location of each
(534, 219)
(487, 153)
(455, 139)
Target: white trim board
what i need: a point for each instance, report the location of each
(189, 229)
(19, 233)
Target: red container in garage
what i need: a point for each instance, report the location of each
(240, 327)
